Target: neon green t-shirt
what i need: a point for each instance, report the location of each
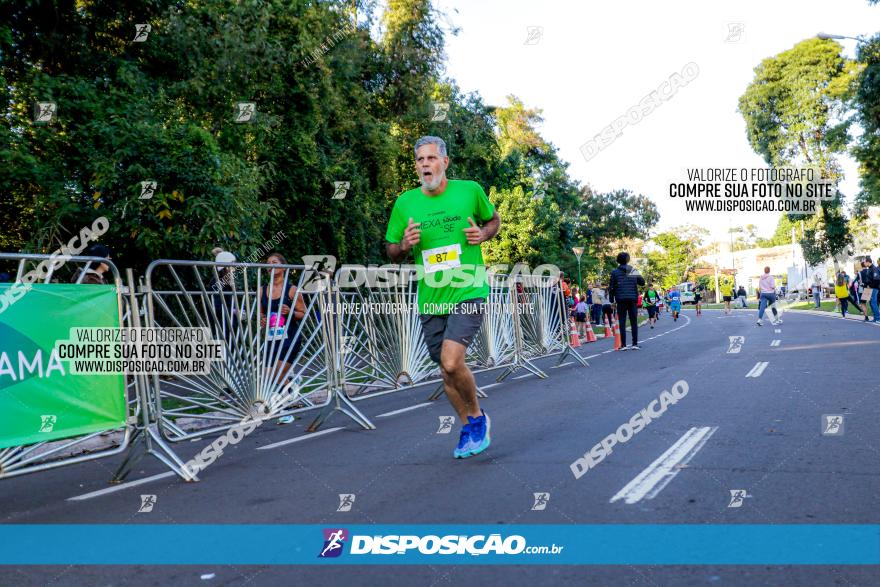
(453, 269)
(726, 290)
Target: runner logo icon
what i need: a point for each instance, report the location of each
(334, 541)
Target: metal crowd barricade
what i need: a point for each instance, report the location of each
(383, 345)
(274, 365)
(383, 348)
(137, 435)
(336, 345)
(540, 322)
(359, 337)
(495, 344)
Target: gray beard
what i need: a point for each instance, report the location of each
(435, 184)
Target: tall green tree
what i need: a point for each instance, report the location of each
(796, 114)
(867, 105)
(782, 234)
(603, 220)
(679, 249)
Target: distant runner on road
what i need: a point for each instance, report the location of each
(651, 301)
(767, 293)
(443, 223)
(727, 296)
(674, 297)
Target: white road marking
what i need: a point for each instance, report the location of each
(757, 369)
(657, 475)
(402, 410)
(775, 342)
(524, 376)
(121, 486)
(490, 385)
(300, 438)
(563, 365)
(777, 330)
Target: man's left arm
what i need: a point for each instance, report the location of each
(490, 228)
(480, 234)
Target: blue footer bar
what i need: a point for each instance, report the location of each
(670, 544)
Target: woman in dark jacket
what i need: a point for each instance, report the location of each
(623, 293)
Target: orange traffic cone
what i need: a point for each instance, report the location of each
(607, 328)
(574, 339)
(591, 336)
(615, 327)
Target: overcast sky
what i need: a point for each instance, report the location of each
(594, 60)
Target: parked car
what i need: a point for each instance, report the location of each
(687, 292)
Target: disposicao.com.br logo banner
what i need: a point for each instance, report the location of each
(430, 544)
(440, 544)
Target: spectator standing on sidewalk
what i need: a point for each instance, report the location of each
(741, 295)
(566, 290)
(623, 293)
(817, 290)
(596, 307)
(93, 272)
(870, 278)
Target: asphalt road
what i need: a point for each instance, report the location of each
(760, 433)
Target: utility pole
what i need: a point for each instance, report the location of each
(717, 247)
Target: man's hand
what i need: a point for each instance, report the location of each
(411, 236)
(474, 233)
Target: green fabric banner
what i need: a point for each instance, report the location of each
(39, 399)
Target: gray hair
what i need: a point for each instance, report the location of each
(429, 140)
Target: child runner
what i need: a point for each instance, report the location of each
(580, 314)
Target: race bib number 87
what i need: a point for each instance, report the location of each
(441, 258)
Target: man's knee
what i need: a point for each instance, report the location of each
(450, 365)
(451, 360)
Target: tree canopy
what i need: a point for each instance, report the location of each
(332, 103)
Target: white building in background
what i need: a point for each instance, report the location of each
(748, 264)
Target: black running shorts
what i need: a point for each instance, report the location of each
(461, 326)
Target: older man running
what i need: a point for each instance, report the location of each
(443, 223)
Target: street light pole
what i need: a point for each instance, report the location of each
(826, 36)
(578, 251)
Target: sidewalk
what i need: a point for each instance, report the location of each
(849, 317)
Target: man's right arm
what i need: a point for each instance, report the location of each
(396, 251)
(411, 233)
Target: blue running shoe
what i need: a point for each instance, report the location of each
(464, 443)
(480, 437)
